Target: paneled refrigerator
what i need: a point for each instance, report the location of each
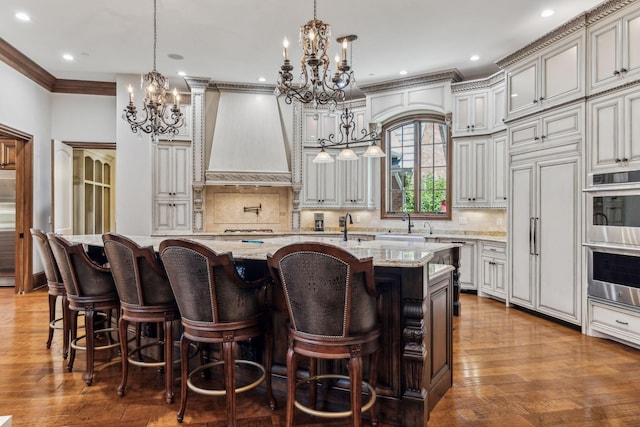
(7, 227)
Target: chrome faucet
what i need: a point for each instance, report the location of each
(429, 224)
(345, 225)
(407, 217)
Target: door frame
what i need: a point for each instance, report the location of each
(24, 208)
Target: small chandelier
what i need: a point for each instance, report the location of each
(156, 120)
(347, 139)
(317, 83)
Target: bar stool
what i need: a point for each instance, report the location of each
(333, 314)
(217, 306)
(145, 297)
(56, 290)
(90, 288)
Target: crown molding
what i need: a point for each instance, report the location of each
(478, 83)
(84, 87)
(605, 9)
(452, 75)
(248, 178)
(255, 88)
(22, 64)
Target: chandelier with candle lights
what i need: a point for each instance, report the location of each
(318, 83)
(156, 120)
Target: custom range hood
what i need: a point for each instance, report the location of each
(248, 145)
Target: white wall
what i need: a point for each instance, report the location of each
(83, 118)
(26, 106)
(133, 160)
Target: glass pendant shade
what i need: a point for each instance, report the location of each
(323, 157)
(373, 151)
(347, 154)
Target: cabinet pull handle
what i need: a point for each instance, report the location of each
(535, 138)
(531, 252)
(616, 72)
(535, 235)
(535, 101)
(543, 137)
(541, 98)
(622, 323)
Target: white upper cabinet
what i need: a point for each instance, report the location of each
(319, 124)
(471, 180)
(470, 113)
(614, 50)
(614, 131)
(479, 106)
(499, 181)
(554, 76)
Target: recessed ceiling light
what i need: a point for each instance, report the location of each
(182, 73)
(474, 58)
(22, 16)
(513, 95)
(175, 56)
(262, 79)
(546, 13)
(68, 57)
(403, 72)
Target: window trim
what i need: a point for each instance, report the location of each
(383, 168)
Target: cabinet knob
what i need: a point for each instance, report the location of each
(543, 137)
(541, 98)
(616, 72)
(625, 160)
(623, 70)
(618, 160)
(468, 127)
(535, 138)
(473, 199)
(473, 127)
(504, 198)
(535, 101)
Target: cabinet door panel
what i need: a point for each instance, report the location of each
(463, 108)
(182, 171)
(163, 215)
(631, 44)
(561, 73)
(480, 178)
(521, 248)
(479, 121)
(500, 277)
(523, 134)
(559, 194)
(632, 128)
(523, 87)
(500, 178)
(605, 133)
(163, 178)
(604, 55)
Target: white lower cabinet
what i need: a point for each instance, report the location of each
(544, 236)
(468, 265)
(493, 273)
(172, 215)
(614, 321)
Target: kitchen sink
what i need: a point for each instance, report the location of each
(401, 237)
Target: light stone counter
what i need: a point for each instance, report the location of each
(384, 253)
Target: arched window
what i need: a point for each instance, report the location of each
(416, 176)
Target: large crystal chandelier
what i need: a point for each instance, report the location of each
(317, 83)
(156, 120)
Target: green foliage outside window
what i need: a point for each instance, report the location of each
(433, 191)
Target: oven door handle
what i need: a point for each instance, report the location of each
(531, 238)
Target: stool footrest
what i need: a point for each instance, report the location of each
(215, 392)
(331, 414)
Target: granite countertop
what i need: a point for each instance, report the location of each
(384, 253)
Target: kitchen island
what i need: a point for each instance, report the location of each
(415, 363)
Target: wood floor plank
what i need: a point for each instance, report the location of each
(510, 369)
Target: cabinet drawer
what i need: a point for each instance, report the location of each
(494, 249)
(614, 320)
(558, 127)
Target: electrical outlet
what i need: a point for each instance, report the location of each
(357, 218)
(462, 220)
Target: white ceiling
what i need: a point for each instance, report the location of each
(240, 40)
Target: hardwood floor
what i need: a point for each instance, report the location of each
(510, 369)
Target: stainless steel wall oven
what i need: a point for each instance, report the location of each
(613, 237)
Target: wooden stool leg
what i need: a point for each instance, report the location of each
(73, 325)
(229, 381)
(124, 351)
(52, 317)
(89, 315)
(313, 385)
(268, 360)
(355, 377)
(184, 356)
(66, 326)
(292, 367)
(168, 360)
(373, 381)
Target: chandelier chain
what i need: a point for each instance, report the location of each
(155, 32)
